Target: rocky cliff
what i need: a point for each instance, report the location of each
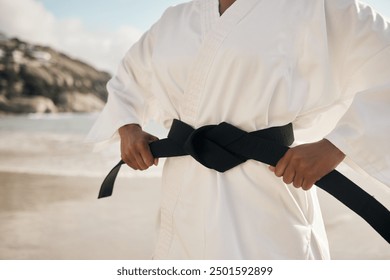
(38, 79)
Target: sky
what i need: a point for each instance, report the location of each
(96, 31)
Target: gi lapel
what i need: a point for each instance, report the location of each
(214, 31)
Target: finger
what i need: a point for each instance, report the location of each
(288, 175)
(271, 168)
(153, 139)
(282, 165)
(298, 181)
(147, 155)
(130, 160)
(145, 159)
(140, 162)
(307, 185)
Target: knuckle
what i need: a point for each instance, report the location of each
(150, 162)
(287, 180)
(290, 152)
(139, 145)
(144, 167)
(311, 175)
(133, 166)
(307, 186)
(297, 183)
(278, 171)
(130, 162)
(300, 165)
(126, 159)
(148, 159)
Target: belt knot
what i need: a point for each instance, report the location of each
(209, 144)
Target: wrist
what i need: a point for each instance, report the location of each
(334, 148)
(129, 128)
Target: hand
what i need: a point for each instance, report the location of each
(135, 149)
(306, 164)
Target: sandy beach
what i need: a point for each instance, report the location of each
(53, 217)
(59, 217)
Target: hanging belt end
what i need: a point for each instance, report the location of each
(108, 183)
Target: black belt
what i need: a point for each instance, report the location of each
(224, 146)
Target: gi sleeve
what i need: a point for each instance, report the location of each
(129, 94)
(363, 133)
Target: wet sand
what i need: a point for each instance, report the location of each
(59, 217)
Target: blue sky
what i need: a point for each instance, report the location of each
(96, 31)
(382, 6)
(139, 13)
(110, 13)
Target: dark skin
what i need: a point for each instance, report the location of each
(301, 166)
(305, 164)
(135, 149)
(224, 5)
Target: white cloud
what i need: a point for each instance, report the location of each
(30, 21)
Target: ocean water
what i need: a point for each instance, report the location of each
(54, 144)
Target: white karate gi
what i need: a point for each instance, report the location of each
(261, 64)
